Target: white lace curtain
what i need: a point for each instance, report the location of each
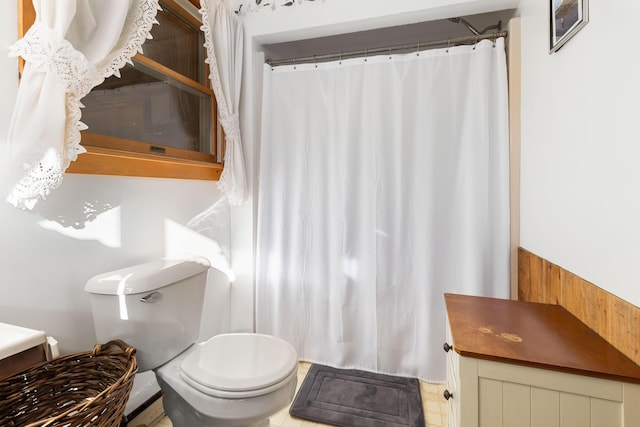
(71, 48)
(224, 43)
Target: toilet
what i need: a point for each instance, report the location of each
(234, 379)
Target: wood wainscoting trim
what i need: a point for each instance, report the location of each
(614, 319)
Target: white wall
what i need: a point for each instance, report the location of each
(93, 224)
(580, 195)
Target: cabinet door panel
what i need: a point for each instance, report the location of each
(631, 407)
(605, 413)
(574, 410)
(516, 405)
(453, 383)
(452, 415)
(490, 402)
(545, 408)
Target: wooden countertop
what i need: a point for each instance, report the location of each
(539, 335)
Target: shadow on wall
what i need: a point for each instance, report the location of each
(89, 218)
(99, 221)
(206, 235)
(84, 216)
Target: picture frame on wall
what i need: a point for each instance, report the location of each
(567, 17)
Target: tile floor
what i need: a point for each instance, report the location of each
(434, 405)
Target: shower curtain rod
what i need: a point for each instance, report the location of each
(418, 46)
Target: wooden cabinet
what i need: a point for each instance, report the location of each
(517, 364)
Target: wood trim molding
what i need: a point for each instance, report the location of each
(26, 18)
(133, 147)
(100, 161)
(515, 85)
(614, 319)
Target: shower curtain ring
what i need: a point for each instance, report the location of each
(418, 49)
(340, 57)
(448, 45)
(476, 43)
(366, 52)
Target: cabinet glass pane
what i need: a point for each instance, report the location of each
(147, 106)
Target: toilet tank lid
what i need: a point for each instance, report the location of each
(146, 277)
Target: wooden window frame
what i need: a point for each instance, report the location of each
(125, 162)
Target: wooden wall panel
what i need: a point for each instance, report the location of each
(614, 319)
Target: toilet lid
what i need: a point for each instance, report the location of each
(240, 362)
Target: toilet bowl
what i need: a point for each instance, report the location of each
(229, 380)
(235, 379)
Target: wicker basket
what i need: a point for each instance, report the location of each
(82, 389)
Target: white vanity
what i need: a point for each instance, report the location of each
(518, 364)
(20, 348)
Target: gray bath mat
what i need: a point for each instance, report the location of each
(353, 398)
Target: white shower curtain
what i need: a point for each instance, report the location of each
(383, 185)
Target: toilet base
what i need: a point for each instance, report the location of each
(263, 423)
(186, 406)
(182, 414)
(204, 411)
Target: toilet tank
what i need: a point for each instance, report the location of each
(154, 307)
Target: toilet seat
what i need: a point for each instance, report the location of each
(236, 366)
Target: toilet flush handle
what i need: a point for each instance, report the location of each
(152, 297)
